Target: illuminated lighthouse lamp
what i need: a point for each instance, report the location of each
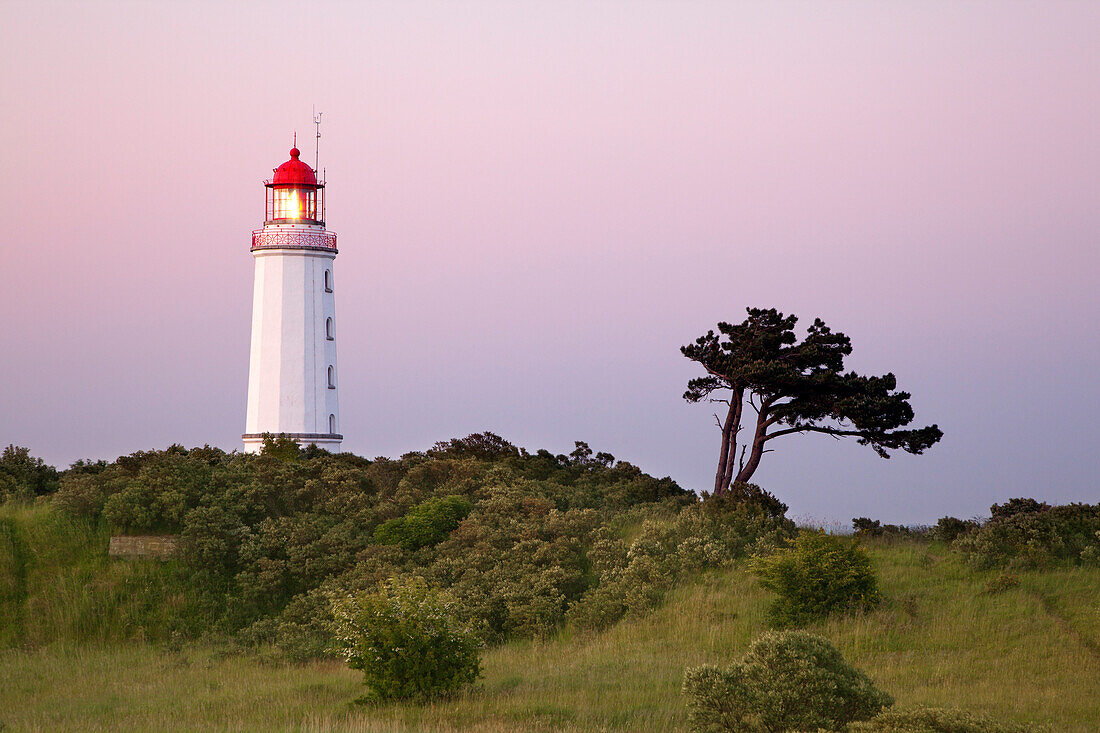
(294, 195)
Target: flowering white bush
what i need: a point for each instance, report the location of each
(407, 640)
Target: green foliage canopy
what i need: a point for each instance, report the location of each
(795, 387)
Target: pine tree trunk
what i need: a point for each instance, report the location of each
(758, 440)
(728, 454)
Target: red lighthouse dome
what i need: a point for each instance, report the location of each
(294, 172)
(294, 193)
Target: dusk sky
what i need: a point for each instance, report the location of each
(539, 203)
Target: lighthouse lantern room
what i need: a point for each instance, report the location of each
(292, 380)
(293, 193)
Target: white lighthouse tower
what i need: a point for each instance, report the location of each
(292, 378)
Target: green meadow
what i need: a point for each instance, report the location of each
(945, 635)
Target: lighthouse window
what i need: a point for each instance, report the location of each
(328, 281)
(332, 377)
(328, 330)
(294, 203)
(332, 424)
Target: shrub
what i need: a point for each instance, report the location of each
(868, 527)
(932, 720)
(865, 527)
(818, 574)
(425, 525)
(81, 494)
(1029, 536)
(281, 447)
(949, 529)
(303, 631)
(407, 640)
(788, 681)
(23, 477)
(1012, 507)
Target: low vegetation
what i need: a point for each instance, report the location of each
(796, 681)
(570, 592)
(929, 644)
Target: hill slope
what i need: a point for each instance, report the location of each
(1028, 653)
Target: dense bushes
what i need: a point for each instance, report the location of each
(1021, 532)
(23, 477)
(407, 640)
(521, 542)
(1026, 533)
(949, 529)
(1021, 505)
(788, 681)
(865, 527)
(517, 561)
(816, 575)
(267, 538)
(745, 493)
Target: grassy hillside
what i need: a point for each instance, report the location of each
(56, 582)
(1027, 653)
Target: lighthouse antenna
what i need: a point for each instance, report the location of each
(317, 141)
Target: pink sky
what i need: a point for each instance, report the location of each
(539, 203)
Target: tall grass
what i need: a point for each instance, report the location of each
(57, 584)
(13, 582)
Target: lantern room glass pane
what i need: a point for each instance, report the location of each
(294, 203)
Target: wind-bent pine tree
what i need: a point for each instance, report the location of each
(794, 387)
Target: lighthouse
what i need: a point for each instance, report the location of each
(292, 377)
